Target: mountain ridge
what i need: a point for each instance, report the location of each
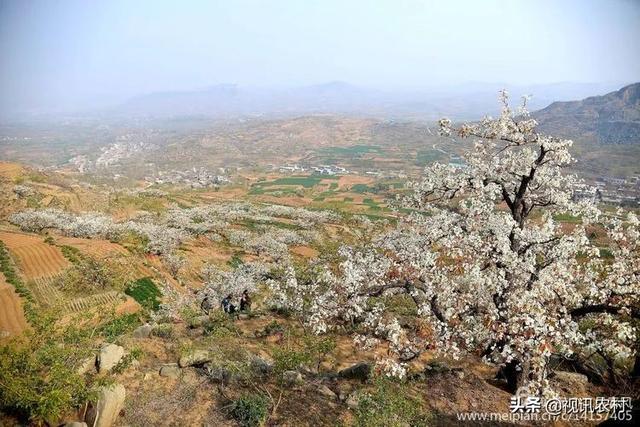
(613, 118)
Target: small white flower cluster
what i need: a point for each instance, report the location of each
(220, 283)
(23, 191)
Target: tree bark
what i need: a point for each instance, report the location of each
(516, 373)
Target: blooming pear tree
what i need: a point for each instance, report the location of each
(220, 283)
(486, 266)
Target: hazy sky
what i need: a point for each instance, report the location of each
(77, 53)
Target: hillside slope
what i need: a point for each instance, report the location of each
(613, 118)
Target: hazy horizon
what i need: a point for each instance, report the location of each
(61, 55)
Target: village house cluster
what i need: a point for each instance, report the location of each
(194, 178)
(611, 190)
(320, 169)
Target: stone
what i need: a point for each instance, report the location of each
(327, 392)
(106, 410)
(352, 401)
(344, 390)
(143, 331)
(217, 374)
(195, 357)
(261, 365)
(170, 370)
(292, 378)
(359, 371)
(75, 424)
(87, 365)
(109, 357)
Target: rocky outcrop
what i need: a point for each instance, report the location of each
(143, 331)
(261, 366)
(88, 365)
(326, 392)
(359, 371)
(194, 357)
(106, 410)
(170, 370)
(109, 356)
(292, 378)
(218, 374)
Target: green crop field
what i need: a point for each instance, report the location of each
(353, 151)
(145, 292)
(305, 181)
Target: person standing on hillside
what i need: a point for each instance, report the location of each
(245, 301)
(227, 306)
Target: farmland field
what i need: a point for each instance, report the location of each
(12, 320)
(36, 259)
(94, 247)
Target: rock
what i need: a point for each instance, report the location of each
(327, 392)
(195, 357)
(109, 357)
(217, 374)
(344, 390)
(87, 365)
(110, 401)
(76, 424)
(352, 401)
(170, 370)
(292, 378)
(243, 316)
(359, 371)
(143, 331)
(261, 366)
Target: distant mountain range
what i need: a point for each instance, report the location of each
(613, 118)
(463, 102)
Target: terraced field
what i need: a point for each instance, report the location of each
(45, 292)
(12, 320)
(35, 258)
(84, 303)
(94, 247)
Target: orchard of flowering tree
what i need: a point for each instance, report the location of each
(488, 269)
(481, 258)
(492, 264)
(318, 213)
